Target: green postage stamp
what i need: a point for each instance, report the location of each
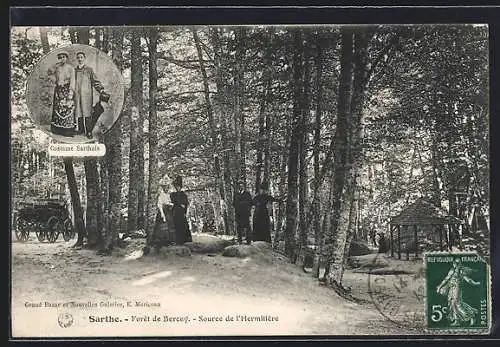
(458, 292)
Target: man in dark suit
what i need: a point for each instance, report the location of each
(242, 202)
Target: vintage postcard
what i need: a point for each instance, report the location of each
(250, 180)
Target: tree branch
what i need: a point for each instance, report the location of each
(192, 64)
(381, 55)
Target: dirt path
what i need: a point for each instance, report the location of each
(194, 290)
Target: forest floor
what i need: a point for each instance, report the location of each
(193, 291)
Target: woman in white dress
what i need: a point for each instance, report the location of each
(164, 229)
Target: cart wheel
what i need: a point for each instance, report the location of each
(22, 229)
(31, 228)
(26, 234)
(53, 226)
(40, 231)
(68, 232)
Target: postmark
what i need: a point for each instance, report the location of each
(397, 289)
(65, 320)
(458, 297)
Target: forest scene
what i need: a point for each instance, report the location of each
(332, 130)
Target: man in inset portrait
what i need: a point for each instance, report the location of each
(84, 100)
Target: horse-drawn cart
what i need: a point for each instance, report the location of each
(46, 217)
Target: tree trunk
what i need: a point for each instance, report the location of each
(83, 35)
(105, 39)
(293, 154)
(153, 181)
(437, 181)
(75, 201)
(104, 189)
(303, 144)
(316, 205)
(94, 203)
(45, 40)
(78, 221)
(268, 131)
(112, 161)
(269, 120)
(340, 152)
(346, 222)
(238, 115)
(104, 169)
(97, 37)
(141, 186)
(228, 209)
(260, 143)
(281, 225)
(136, 176)
(211, 123)
(264, 126)
(321, 170)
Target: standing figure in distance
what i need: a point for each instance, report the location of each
(164, 229)
(242, 202)
(63, 112)
(85, 82)
(261, 220)
(180, 201)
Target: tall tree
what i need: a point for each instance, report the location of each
(303, 148)
(239, 115)
(93, 214)
(75, 202)
(293, 153)
(341, 143)
(45, 40)
(113, 158)
(316, 205)
(103, 172)
(264, 126)
(211, 121)
(79, 222)
(345, 224)
(153, 181)
(136, 176)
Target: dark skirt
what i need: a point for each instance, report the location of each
(182, 232)
(262, 226)
(164, 232)
(63, 112)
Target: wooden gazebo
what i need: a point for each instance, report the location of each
(423, 214)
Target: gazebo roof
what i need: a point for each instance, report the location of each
(422, 212)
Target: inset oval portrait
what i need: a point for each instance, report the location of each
(75, 94)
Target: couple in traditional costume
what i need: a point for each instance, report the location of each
(73, 109)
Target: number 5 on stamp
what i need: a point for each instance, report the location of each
(458, 292)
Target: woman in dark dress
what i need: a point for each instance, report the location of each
(261, 220)
(180, 201)
(63, 104)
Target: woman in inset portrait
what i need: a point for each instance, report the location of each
(63, 107)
